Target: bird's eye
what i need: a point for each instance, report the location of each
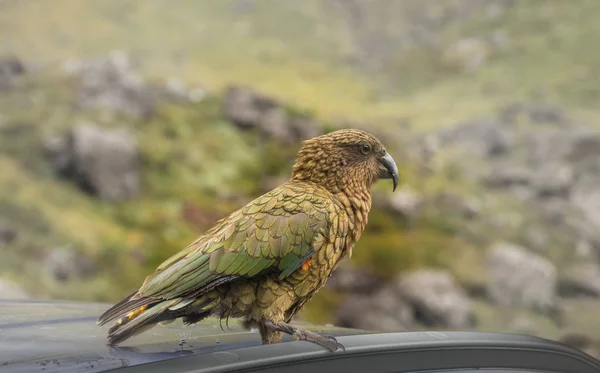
(365, 148)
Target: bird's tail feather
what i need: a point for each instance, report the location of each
(125, 306)
(140, 320)
(139, 315)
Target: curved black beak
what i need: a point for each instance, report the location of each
(391, 170)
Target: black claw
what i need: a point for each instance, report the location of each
(335, 347)
(338, 345)
(221, 324)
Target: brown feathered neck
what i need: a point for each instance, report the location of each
(330, 161)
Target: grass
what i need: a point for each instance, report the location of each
(293, 53)
(300, 54)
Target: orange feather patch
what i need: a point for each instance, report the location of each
(306, 264)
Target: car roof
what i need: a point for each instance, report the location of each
(52, 336)
(61, 334)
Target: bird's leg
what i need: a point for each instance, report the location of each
(269, 335)
(327, 342)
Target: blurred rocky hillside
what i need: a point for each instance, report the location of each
(128, 127)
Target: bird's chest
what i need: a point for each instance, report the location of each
(312, 276)
(314, 273)
(329, 247)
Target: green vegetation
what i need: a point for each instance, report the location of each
(193, 160)
(295, 52)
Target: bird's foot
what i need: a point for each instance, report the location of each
(326, 341)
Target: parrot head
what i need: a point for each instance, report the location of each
(347, 159)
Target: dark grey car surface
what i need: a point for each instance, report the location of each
(49, 336)
(63, 337)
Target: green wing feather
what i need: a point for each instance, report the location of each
(275, 232)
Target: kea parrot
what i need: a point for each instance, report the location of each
(263, 262)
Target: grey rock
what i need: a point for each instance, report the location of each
(303, 127)
(540, 175)
(546, 113)
(175, 89)
(252, 110)
(509, 113)
(65, 264)
(584, 249)
(523, 325)
(274, 123)
(457, 205)
(244, 107)
(436, 299)
(537, 238)
(584, 146)
(7, 234)
(383, 311)
(11, 68)
(10, 290)
(581, 279)
(499, 40)
(553, 180)
(586, 197)
(486, 137)
(103, 161)
(583, 343)
(504, 176)
(405, 201)
(430, 297)
(60, 264)
(576, 148)
(353, 280)
(467, 54)
(546, 146)
(11, 65)
(110, 83)
(53, 145)
(520, 278)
